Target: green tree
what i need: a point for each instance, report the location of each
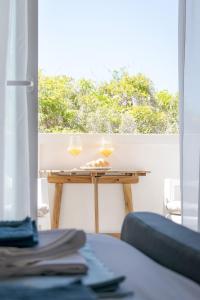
(148, 120)
(130, 90)
(55, 115)
(125, 104)
(168, 104)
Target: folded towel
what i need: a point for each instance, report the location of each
(18, 233)
(68, 292)
(52, 245)
(73, 264)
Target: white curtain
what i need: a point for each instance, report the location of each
(189, 80)
(18, 108)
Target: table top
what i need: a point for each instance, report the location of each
(93, 172)
(91, 176)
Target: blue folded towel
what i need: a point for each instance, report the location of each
(69, 292)
(18, 233)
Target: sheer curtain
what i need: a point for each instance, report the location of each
(189, 79)
(18, 108)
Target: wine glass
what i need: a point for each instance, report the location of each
(75, 145)
(106, 148)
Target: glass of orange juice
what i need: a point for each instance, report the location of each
(106, 148)
(75, 145)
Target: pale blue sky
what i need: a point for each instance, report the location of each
(89, 38)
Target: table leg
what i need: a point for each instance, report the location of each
(57, 205)
(128, 197)
(96, 204)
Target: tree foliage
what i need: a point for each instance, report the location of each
(125, 104)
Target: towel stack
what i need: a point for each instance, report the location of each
(24, 251)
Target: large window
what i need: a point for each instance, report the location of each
(108, 66)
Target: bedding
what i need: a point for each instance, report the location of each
(145, 277)
(148, 279)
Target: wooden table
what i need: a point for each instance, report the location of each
(95, 177)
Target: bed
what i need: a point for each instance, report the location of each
(146, 278)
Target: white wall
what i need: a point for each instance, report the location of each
(156, 153)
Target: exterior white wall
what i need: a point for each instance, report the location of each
(156, 153)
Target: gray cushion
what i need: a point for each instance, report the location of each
(170, 244)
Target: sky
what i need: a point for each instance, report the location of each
(91, 38)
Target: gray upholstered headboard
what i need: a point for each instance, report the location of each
(170, 244)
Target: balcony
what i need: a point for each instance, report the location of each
(156, 153)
